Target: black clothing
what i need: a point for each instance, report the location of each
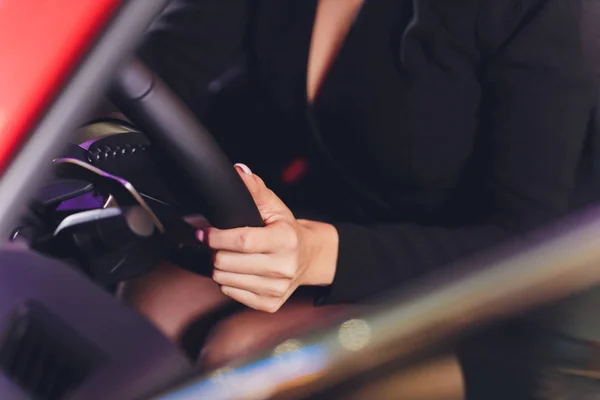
(442, 127)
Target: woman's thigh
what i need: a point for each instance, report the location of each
(172, 298)
(250, 332)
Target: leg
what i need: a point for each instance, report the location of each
(171, 298)
(248, 331)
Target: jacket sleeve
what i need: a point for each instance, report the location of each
(536, 104)
(194, 41)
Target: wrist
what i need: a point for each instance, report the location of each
(322, 242)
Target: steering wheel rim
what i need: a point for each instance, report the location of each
(191, 160)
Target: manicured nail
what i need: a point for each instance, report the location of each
(244, 168)
(200, 235)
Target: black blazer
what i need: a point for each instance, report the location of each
(450, 124)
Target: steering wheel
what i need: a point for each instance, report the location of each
(198, 172)
(181, 158)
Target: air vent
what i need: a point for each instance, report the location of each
(45, 356)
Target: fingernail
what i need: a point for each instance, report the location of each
(244, 168)
(200, 235)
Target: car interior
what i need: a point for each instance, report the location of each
(97, 210)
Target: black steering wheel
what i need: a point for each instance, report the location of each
(198, 172)
(186, 164)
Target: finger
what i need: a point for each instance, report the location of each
(266, 200)
(197, 221)
(252, 300)
(272, 238)
(252, 264)
(262, 286)
(253, 183)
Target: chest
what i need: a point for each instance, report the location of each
(392, 88)
(333, 20)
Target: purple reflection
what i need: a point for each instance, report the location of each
(83, 202)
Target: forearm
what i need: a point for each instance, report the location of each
(372, 260)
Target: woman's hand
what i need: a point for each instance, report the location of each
(262, 267)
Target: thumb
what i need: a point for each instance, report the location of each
(253, 183)
(267, 202)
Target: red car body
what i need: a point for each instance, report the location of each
(40, 44)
